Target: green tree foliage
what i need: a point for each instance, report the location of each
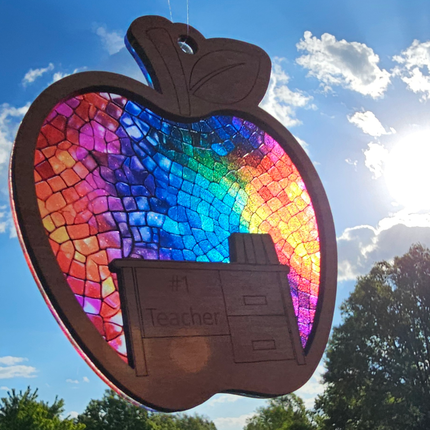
(283, 413)
(195, 422)
(378, 359)
(180, 422)
(112, 412)
(22, 411)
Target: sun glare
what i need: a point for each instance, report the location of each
(407, 172)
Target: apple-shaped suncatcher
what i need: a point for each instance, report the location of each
(179, 233)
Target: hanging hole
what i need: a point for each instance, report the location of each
(187, 45)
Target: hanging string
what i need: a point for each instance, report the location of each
(170, 9)
(188, 17)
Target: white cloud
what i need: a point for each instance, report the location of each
(4, 388)
(72, 381)
(351, 65)
(414, 67)
(280, 101)
(369, 124)
(232, 423)
(10, 361)
(12, 369)
(112, 41)
(351, 162)
(60, 75)
(85, 379)
(73, 414)
(9, 121)
(375, 158)
(17, 371)
(312, 388)
(10, 117)
(33, 74)
(223, 398)
(6, 222)
(303, 144)
(361, 246)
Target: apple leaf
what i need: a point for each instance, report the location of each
(224, 76)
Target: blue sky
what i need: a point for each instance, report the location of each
(350, 80)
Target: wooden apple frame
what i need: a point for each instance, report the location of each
(129, 200)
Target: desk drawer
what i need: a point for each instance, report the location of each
(252, 293)
(260, 338)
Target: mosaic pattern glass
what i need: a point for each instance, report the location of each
(115, 180)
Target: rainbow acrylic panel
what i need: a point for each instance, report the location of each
(115, 180)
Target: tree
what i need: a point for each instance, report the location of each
(283, 413)
(180, 422)
(378, 359)
(22, 411)
(194, 422)
(113, 412)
